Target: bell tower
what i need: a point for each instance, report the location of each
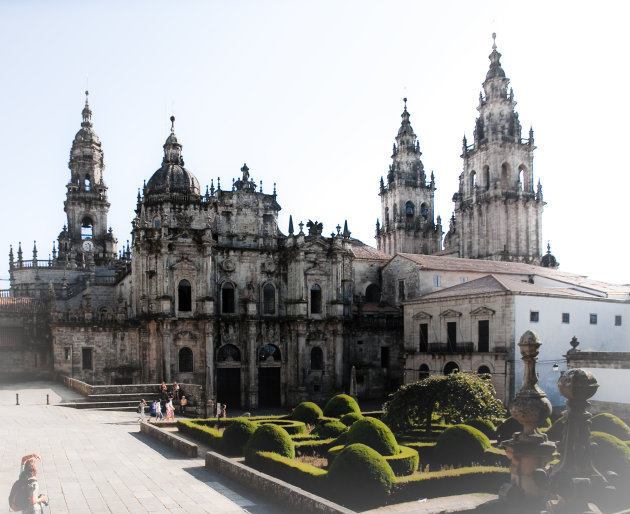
(86, 236)
(498, 212)
(407, 200)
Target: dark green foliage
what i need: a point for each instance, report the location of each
(457, 397)
(307, 412)
(301, 474)
(330, 429)
(506, 429)
(375, 434)
(554, 432)
(610, 424)
(237, 434)
(610, 454)
(483, 425)
(360, 476)
(270, 438)
(405, 462)
(351, 417)
(292, 427)
(314, 447)
(461, 444)
(339, 405)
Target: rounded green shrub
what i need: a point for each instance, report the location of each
(236, 435)
(609, 453)
(307, 412)
(610, 424)
(330, 429)
(483, 425)
(506, 429)
(375, 434)
(461, 444)
(339, 405)
(270, 438)
(350, 418)
(359, 476)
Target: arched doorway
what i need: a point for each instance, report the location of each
(269, 363)
(229, 376)
(450, 367)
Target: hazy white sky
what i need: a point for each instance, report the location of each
(309, 95)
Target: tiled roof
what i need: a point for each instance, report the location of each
(21, 305)
(363, 251)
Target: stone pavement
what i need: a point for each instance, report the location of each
(97, 461)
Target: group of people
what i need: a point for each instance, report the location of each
(163, 407)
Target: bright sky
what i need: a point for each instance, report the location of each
(309, 95)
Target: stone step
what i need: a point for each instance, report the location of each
(112, 397)
(120, 405)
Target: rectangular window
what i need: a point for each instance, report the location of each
(451, 336)
(617, 321)
(593, 319)
(384, 356)
(483, 327)
(566, 317)
(424, 337)
(66, 353)
(533, 316)
(437, 280)
(86, 354)
(401, 290)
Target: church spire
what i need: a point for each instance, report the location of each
(86, 113)
(172, 148)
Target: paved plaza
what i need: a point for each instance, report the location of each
(97, 461)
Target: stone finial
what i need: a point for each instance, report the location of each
(346, 232)
(574, 343)
(291, 225)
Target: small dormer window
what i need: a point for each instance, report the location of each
(410, 209)
(424, 210)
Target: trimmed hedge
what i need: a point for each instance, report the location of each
(375, 434)
(461, 444)
(330, 429)
(307, 412)
(350, 418)
(237, 434)
(610, 424)
(449, 482)
(339, 405)
(506, 429)
(405, 462)
(314, 447)
(483, 425)
(301, 474)
(359, 476)
(291, 426)
(610, 454)
(270, 438)
(204, 434)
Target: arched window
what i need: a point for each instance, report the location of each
(521, 178)
(451, 367)
(316, 299)
(505, 170)
(87, 227)
(424, 210)
(86, 183)
(486, 177)
(483, 369)
(373, 294)
(317, 358)
(269, 352)
(184, 296)
(386, 215)
(269, 299)
(423, 372)
(157, 222)
(185, 360)
(473, 180)
(410, 209)
(227, 298)
(395, 212)
(228, 352)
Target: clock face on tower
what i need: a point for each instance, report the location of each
(88, 245)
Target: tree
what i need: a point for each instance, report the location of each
(457, 397)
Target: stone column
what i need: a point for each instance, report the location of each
(209, 382)
(528, 450)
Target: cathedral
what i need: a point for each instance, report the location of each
(212, 292)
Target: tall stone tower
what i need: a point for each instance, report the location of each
(86, 237)
(407, 200)
(498, 214)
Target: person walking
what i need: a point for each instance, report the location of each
(170, 410)
(158, 411)
(219, 408)
(182, 404)
(224, 411)
(153, 411)
(141, 406)
(25, 495)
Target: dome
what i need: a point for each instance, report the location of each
(549, 260)
(172, 177)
